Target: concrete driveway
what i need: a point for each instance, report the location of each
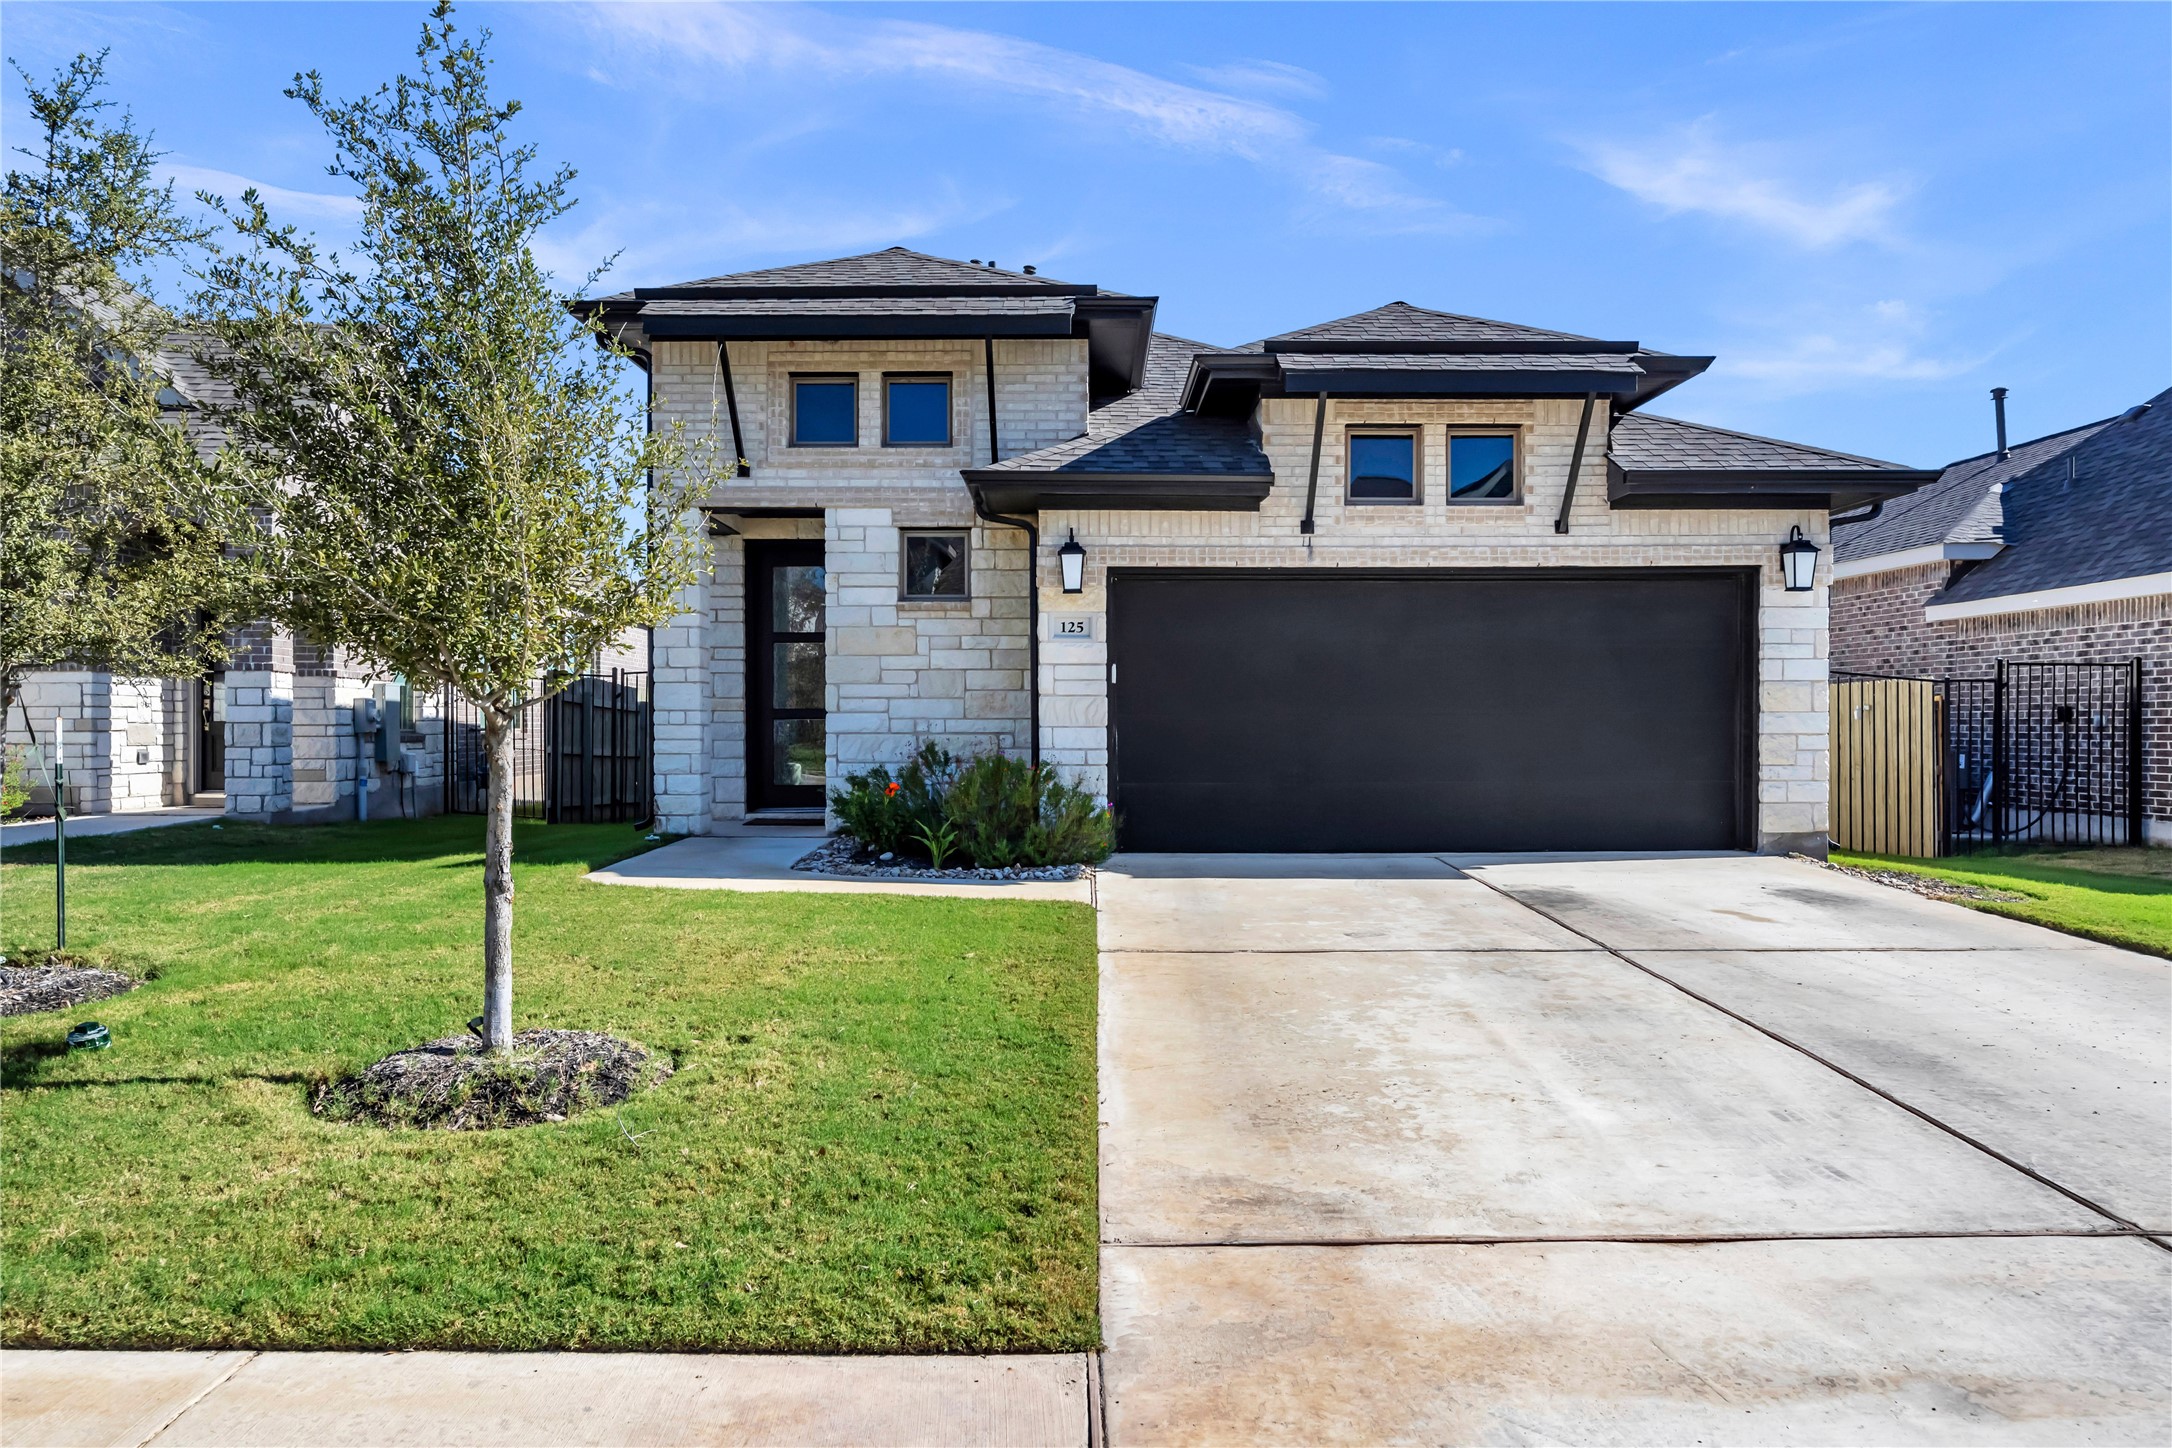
(1529, 1149)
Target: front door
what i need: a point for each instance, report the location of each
(786, 741)
(210, 736)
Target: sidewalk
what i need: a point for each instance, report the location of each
(330, 1399)
(31, 832)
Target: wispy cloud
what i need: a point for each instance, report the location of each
(1263, 77)
(650, 242)
(284, 203)
(1878, 343)
(1695, 171)
(795, 41)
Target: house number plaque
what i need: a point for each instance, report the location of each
(1070, 626)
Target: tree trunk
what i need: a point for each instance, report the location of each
(498, 882)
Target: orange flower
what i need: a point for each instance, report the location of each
(890, 788)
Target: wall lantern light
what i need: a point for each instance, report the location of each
(1072, 558)
(1798, 561)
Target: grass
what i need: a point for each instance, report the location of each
(2119, 896)
(880, 1136)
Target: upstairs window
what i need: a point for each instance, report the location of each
(1482, 467)
(935, 566)
(1384, 466)
(916, 411)
(825, 411)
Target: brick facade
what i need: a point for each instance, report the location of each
(1879, 628)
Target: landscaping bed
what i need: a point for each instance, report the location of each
(843, 855)
(878, 1133)
(53, 980)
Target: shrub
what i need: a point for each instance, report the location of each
(994, 810)
(14, 779)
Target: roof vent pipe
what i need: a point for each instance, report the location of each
(1998, 408)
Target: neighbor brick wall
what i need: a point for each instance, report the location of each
(1879, 628)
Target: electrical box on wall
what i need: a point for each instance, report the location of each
(391, 705)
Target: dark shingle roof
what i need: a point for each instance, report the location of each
(896, 267)
(1458, 362)
(2097, 509)
(1963, 506)
(935, 304)
(1148, 432)
(1641, 441)
(1402, 322)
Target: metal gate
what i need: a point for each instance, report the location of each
(580, 756)
(2035, 754)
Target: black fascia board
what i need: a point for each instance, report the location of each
(1663, 372)
(1025, 492)
(826, 329)
(1386, 382)
(1833, 488)
(889, 292)
(1209, 368)
(1119, 332)
(1473, 347)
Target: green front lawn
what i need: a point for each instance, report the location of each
(2120, 896)
(880, 1136)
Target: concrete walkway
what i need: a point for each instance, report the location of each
(1622, 1151)
(333, 1399)
(30, 832)
(759, 858)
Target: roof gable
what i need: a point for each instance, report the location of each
(1400, 322)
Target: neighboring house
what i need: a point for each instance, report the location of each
(2056, 550)
(1403, 581)
(271, 735)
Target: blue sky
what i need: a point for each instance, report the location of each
(1871, 214)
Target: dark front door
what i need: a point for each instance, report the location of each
(1563, 710)
(210, 736)
(785, 730)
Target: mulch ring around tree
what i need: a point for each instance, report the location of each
(456, 1085)
(54, 981)
(1925, 885)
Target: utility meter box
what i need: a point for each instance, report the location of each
(391, 703)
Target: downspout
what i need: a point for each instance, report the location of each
(1312, 484)
(1033, 572)
(741, 468)
(1576, 464)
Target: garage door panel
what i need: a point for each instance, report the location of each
(1432, 711)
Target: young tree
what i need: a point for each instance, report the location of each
(450, 480)
(110, 557)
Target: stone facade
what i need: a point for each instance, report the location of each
(1435, 533)
(897, 671)
(122, 737)
(1879, 627)
(901, 672)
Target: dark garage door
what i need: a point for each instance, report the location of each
(1438, 711)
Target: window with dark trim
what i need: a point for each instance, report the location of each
(1482, 467)
(916, 409)
(1383, 465)
(826, 411)
(934, 566)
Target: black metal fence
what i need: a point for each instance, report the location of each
(2038, 753)
(579, 757)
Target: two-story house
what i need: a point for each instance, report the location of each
(1403, 581)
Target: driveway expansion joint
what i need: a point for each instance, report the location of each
(206, 1391)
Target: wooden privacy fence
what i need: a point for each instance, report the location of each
(2042, 753)
(1888, 766)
